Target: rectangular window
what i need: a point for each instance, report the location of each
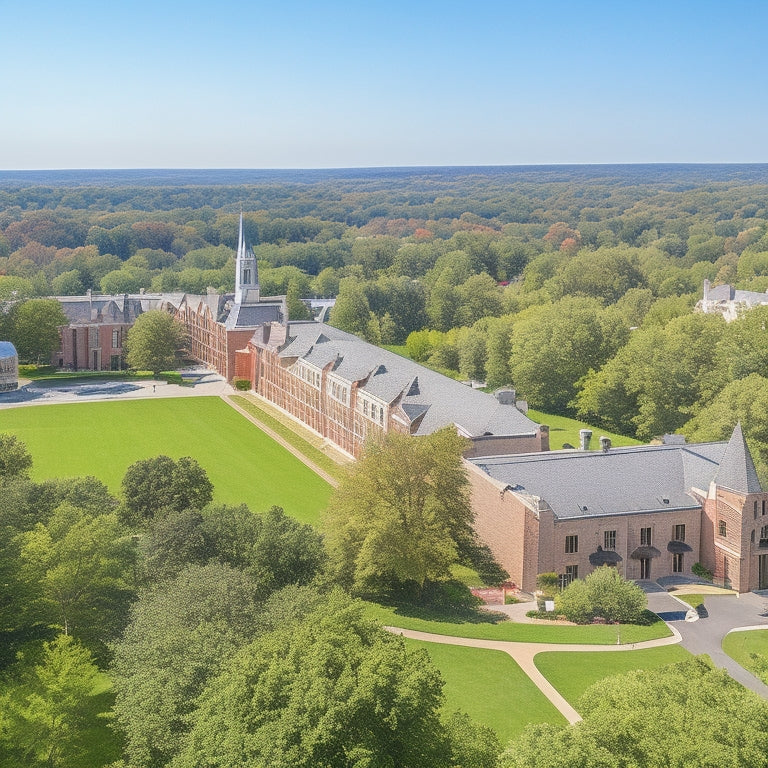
(365, 407)
(763, 506)
(571, 572)
(115, 339)
(645, 537)
(754, 509)
(571, 545)
(677, 563)
(680, 533)
(609, 540)
(722, 529)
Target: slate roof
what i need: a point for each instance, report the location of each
(7, 350)
(577, 484)
(253, 315)
(737, 470)
(441, 401)
(729, 293)
(118, 308)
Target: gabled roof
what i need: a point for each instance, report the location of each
(737, 470)
(419, 391)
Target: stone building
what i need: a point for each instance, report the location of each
(650, 510)
(728, 301)
(9, 367)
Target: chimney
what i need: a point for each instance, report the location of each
(505, 396)
(585, 435)
(605, 443)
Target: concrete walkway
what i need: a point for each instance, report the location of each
(332, 481)
(524, 653)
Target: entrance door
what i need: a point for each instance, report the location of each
(762, 572)
(645, 568)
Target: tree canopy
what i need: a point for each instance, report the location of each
(155, 342)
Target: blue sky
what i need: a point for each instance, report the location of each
(292, 84)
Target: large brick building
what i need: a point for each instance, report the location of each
(650, 510)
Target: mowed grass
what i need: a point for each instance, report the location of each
(480, 626)
(104, 438)
(490, 687)
(740, 645)
(565, 430)
(572, 673)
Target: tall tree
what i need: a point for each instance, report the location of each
(402, 513)
(45, 717)
(35, 329)
(333, 690)
(155, 342)
(15, 460)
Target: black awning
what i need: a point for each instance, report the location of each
(678, 547)
(604, 557)
(645, 552)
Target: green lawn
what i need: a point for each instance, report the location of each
(491, 688)
(740, 645)
(479, 626)
(565, 430)
(104, 438)
(573, 672)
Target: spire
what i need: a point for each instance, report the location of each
(246, 271)
(737, 470)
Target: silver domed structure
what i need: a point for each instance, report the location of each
(9, 367)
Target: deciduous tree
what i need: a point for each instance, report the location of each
(155, 342)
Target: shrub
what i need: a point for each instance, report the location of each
(605, 593)
(703, 573)
(548, 583)
(171, 377)
(243, 385)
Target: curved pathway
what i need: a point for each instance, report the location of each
(524, 653)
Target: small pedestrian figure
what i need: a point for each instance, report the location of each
(153, 387)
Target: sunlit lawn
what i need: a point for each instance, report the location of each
(479, 625)
(104, 438)
(573, 672)
(739, 646)
(491, 688)
(565, 430)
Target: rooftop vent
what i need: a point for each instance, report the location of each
(605, 444)
(506, 396)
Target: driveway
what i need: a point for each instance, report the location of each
(723, 613)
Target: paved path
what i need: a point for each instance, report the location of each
(524, 653)
(282, 441)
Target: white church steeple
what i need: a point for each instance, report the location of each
(247, 271)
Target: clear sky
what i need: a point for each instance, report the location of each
(302, 84)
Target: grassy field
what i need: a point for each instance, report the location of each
(740, 645)
(104, 438)
(490, 687)
(480, 626)
(565, 430)
(572, 673)
(290, 432)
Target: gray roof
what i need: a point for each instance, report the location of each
(118, 308)
(737, 470)
(621, 480)
(7, 349)
(253, 315)
(390, 378)
(729, 293)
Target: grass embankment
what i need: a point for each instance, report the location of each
(291, 433)
(573, 672)
(741, 646)
(479, 624)
(490, 687)
(104, 438)
(565, 430)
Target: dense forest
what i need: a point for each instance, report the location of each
(575, 284)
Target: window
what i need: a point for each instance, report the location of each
(571, 545)
(754, 509)
(680, 533)
(763, 506)
(722, 529)
(116, 343)
(609, 540)
(365, 407)
(677, 563)
(764, 536)
(645, 537)
(571, 572)
(246, 276)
